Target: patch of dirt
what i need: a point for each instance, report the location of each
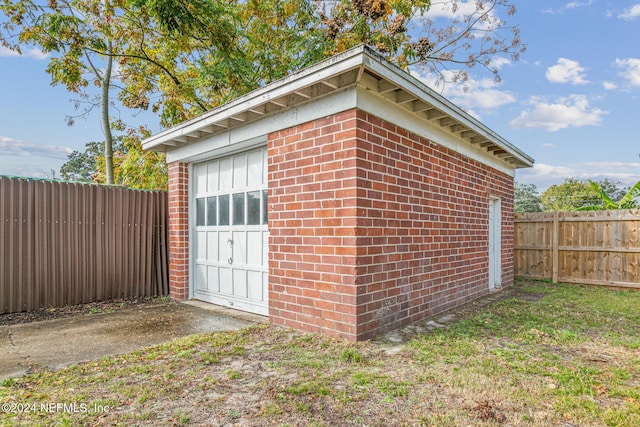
(50, 313)
(446, 318)
(484, 411)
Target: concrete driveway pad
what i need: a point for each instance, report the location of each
(58, 343)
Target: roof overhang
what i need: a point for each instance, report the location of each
(360, 68)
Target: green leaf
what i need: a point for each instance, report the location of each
(608, 203)
(628, 201)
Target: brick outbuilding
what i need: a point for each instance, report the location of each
(347, 199)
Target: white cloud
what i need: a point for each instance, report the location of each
(609, 85)
(542, 172)
(483, 94)
(566, 71)
(552, 171)
(30, 170)
(543, 175)
(571, 111)
(577, 4)
(570, 5)
(631, 70)
(630, 14)
(548, 145)
(14, 147)
(31, 53)
(460, 11)
(498, 62)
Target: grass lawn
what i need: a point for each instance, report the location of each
(544, 355)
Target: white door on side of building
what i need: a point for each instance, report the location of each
(230, 231)
(495, 243)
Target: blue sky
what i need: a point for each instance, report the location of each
(572, 102)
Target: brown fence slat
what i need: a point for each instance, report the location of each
(69, 243)
(593, 247)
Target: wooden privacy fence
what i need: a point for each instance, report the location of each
(68, 243)
(591, 247)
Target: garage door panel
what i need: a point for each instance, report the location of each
(226, 280)
(226, 178)
(240, 283)
(239, 247)
(224, 246)
(200, 174)
(240, 171)
(254, 172)
(201, 245)
(254, 247)
(212, 246)
(254, 285)
(213, 284)
(212, 176)
(201, 276)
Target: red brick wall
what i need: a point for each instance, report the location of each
(373, 228)
(312, 224)
(178, 230)
(424, 225)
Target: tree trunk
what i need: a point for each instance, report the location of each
(106, 125)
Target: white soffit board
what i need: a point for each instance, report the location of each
(329, 87)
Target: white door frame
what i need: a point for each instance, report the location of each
(495, 243)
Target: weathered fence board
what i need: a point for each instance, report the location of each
(592, 247)
(69, 243)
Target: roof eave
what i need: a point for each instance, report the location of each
(347, 68)
(322, 71)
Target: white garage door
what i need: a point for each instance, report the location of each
(231, 235)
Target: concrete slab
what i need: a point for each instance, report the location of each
(58, 343)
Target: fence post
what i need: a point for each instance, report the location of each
(555, 256)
